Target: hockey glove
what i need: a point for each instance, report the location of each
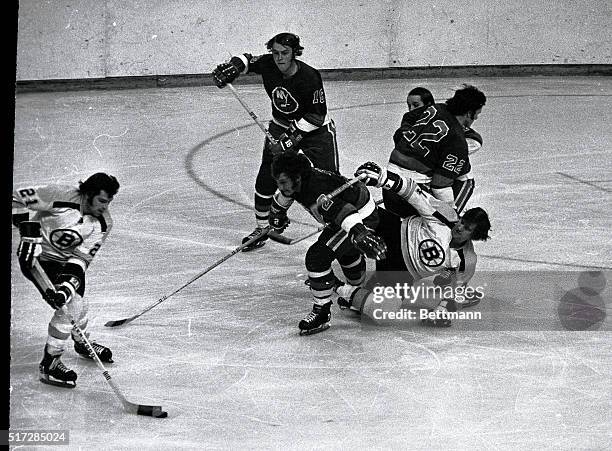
(226, 73)
(57, 298)
(287, 141)
(372, 246)
(379, 177)
(277, 218)
(63, 292)
(30, 246)
(474, 140)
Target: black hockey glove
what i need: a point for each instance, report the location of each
(372, 246)
(30, 246)
(287, 141)
(57, 298)
(277, 218)
(64, 291)
(226, 73)
(379, 177)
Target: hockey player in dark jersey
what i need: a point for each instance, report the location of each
(75, 222)
(349, 217)
(431, 148)
(300, 119)
(434, 242)
(463, 186)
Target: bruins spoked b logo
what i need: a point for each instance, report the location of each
(65, 238)
(431, 253)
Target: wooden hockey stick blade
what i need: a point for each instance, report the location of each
(150, 411)
(120, 322)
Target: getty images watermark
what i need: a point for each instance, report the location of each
(387, 301)
(496, 300)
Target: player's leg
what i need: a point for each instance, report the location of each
(463, 188)
(265, 186)
(80, 316)
(322, 279)
(321, 148)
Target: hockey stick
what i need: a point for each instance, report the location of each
(123, 321)
(251, 113)
(334, 193)
(282, 239)
(140, 409)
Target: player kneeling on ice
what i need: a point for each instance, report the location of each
(434, 243)
(350, 217)
(74, 222)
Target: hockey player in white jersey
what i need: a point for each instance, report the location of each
(435, 243)
(68, 226)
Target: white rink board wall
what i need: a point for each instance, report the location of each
(83, 39)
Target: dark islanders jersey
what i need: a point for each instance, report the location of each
(430, 141)
(69, 236)
(299, 98)
(351, 206)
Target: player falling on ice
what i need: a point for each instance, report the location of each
(435, 242)
(68, 227)
(299, 114)
(349, 218)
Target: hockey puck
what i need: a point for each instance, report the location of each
(162, 414)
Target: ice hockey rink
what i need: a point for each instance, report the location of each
(223, 356)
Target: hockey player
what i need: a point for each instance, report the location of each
(299, 114)
(418, 97)
(436, 242)
(432, 147)
(349, 217)
(74, 222)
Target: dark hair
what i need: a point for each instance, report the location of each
(99, 182)
(288, 39)
(469, 98)
(291, 163)
(425, 95)
(480, 218)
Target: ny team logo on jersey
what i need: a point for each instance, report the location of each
(283, 101)
(431, 253)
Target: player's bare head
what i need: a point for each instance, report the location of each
(419, 97)
(288, 40)
(99, 181)
(99, 190)
(477, 219)
(467, 101)
(289, 169)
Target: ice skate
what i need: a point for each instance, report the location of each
(439, 317)
(257, 244)
(317, 320)
(346, 293)
(53, 372)
(104, 353)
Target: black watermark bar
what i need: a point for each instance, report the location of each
(494, 301)
(34, 437)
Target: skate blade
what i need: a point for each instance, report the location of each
(314, 331)
(67, 384)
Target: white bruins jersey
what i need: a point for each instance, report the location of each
(426, 241)
(69, 236)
